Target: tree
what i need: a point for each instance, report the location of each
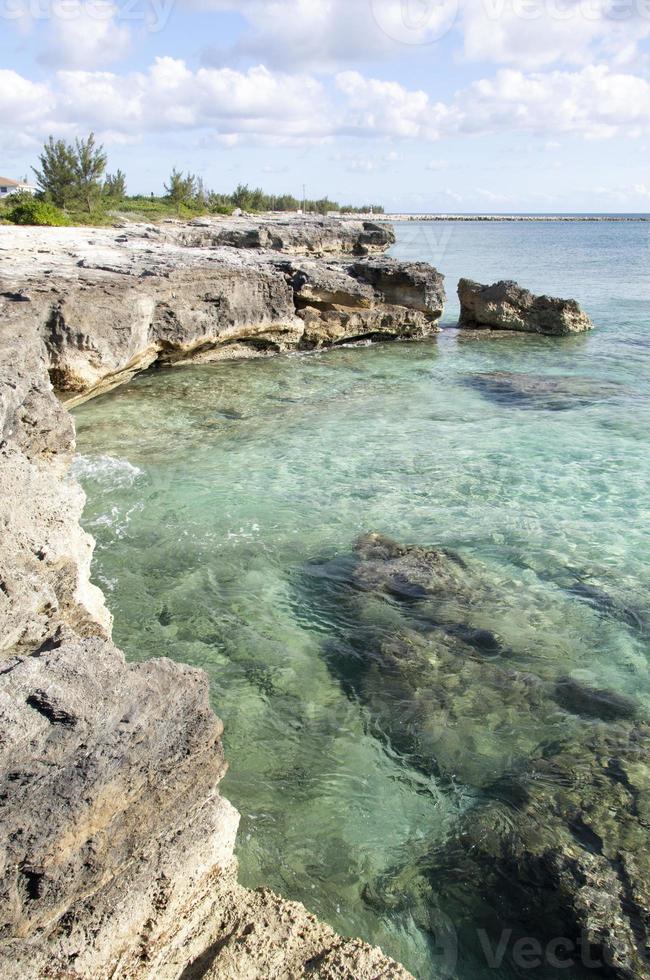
(57, 177)
(181, 188)
(115, 186)
(201, 193)
(71, 172)
(89, 167)
(242, 197)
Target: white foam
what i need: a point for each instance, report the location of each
(108, 471)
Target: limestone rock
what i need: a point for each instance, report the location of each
(329, 285)
(415, 285)
(45, 556)
(506, 306)
(310, 234)
(374, 299)
(111, 302)
(116, 848)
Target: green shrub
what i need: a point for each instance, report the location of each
(35, 212)
(222, 209)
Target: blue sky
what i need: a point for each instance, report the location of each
(442, 105)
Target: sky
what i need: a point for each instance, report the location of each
(420, 105)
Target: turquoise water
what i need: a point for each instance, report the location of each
(226, 500)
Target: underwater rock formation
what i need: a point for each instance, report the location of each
(553, 393)
(556, 771)
(567, 853)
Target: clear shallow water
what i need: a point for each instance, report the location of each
(216, 494)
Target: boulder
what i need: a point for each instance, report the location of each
(507, 306)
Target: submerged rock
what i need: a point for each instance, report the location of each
(442, 656)
(591, 702)
(506, 306)
(451, 712)
(627, 610)
(555, 842)
(568, 854)
(542, 392)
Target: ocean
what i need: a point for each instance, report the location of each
(226, 501)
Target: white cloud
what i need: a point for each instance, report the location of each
(272, 107)
(169, 97)
(534, 33)
(330, 35)
(89, 36)
(376, 162)
(378, 108)
(327, 34)
(75, 33)
(530, 34)
(594, 102)
(23, 100)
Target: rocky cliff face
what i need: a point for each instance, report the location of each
(112, 302)
(506, 306)
(117, 848)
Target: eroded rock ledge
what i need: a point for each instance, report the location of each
(117, 848)
(111, 302)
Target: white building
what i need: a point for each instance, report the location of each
(9, 186)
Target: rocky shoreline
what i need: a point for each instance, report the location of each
(112, 302)
(118, 848)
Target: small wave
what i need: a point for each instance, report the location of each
(108, 471)
(117, 520)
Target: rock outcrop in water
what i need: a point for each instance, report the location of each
(554, 845)
(372, 299)
(506, 306)
(112, 302)
(117, 848)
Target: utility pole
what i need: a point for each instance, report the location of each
(304, 199)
